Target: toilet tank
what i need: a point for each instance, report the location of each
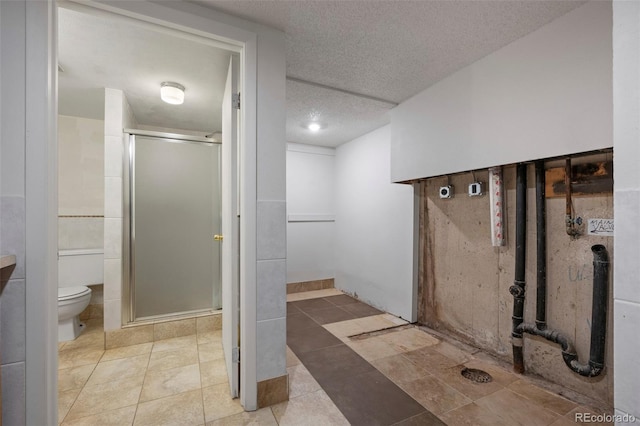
(80, 267)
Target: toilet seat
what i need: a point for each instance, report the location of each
(67, 293)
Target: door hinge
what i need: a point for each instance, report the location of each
(235, 355)
(235, 100)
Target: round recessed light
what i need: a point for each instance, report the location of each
(314, 127)
(172, 93)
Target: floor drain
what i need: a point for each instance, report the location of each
(475, 375)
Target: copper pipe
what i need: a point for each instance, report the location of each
(569, 221)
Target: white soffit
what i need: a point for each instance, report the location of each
(96, 52)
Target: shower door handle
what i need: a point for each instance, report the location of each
(218, 237)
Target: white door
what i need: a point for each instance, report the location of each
(230, 231)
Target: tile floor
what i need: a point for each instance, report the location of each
(348, 363)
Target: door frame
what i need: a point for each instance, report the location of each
(41, 101)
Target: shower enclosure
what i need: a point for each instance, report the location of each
(172, 212)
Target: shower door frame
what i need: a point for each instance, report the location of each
(129, 231)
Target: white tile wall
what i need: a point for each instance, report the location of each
(627, 245)
(271, 228)
(113, 276)
(12, 231)
(112, 197)
(112, 314)
(271, 345)
(626, 359)
(113, 154)
(13, 319)
(271, 282)
(113, 112)
(79, 233)
(112, 238)
(13, 398)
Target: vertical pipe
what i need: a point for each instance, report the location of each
(568, 216)
(541, 246)
(599, 306)
(518, 287)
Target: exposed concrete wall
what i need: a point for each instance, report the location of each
(469, 279)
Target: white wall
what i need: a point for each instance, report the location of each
(374, 226)
(310, 213)
(546, 94)
(118, 116)
(626, 291)
(80, 182)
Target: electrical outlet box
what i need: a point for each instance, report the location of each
(475, 189)
(446, 191)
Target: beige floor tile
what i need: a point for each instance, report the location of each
(499, 374)
(373, 348)
(262, 417)
(473, 415)
(65, 401)
(118, 369)
(209, 336)
(548, 400)
(76, 357)
(175, 343)
(301, 381)
(183, 409)
(394, 319)
(344, 328)
(517, 409)
(129, 336)
(292, 359)
(74, 377)
(434, 395)
(218, 403)
(86, 340)
(210, 351)
(213, 372)
(61, 345)
(452, 352)
(292, 297)
(119, 417)
(374, 323)
(311, 409)
(209, 323)
(127, 351)
(409, 339)
(161, 383)
(434, 359)
(179, 357)
(106, 397)
(399, 369)
(454, 378)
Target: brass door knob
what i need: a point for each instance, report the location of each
(218, 237)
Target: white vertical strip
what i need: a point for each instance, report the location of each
(41, 176)
(497, 206)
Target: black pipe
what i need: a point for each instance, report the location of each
(518, 287)
(598, 322)
(541, 245)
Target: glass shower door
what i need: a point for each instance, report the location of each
(175, 211)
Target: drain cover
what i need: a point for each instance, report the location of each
(475, 375)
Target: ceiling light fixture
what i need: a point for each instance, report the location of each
(172, 93)
(314, 127)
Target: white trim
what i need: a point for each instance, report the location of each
(41, 181)
(245, 42)
(311, 149)
(311, 218)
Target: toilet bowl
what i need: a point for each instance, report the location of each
(71, 301)
(76, 270)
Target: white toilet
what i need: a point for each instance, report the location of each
(76, 270)
(71, 302)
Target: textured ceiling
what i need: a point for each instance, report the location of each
(95, 53)
(390, 50)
